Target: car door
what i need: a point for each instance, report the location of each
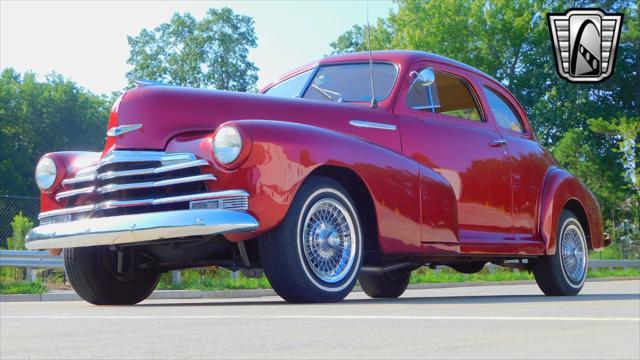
(451, 134)
(528, 160)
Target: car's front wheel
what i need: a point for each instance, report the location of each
(564, 272)
(93, 273)
(315, 254)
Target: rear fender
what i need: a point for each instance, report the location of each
(560, 187)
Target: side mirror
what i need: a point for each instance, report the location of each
(424, 78)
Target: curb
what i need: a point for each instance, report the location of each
(70, 295)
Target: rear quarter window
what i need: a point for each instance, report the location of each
(504, 114)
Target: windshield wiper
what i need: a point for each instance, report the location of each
(327, 93)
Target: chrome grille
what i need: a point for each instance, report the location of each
(127, 182)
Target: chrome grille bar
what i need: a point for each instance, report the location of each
(167, 160)
(79, 179)
(150, 171)
(70, 193)
(129, 179)
(231, 197)
(152, 184)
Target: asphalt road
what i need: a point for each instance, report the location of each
(497, 322)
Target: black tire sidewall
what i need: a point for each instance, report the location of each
(322, 189)
(566, 220)
(87, 273)
(385, 286)
(549, 270)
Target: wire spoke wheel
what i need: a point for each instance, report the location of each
(573, 254)
(328, 241)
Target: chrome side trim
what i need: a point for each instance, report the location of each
(70, 193)
(372, 125)
(111, 204)
(152, 184)
(149, 171)
(139, 228)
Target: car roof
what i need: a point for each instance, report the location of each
(400, 56)
(395, 56)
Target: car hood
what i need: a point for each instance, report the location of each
(165, 112)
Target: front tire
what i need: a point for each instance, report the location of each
(564, 273)
(385, 286)
(315, 254)
(92, 273)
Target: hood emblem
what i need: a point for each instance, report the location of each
(123, 129)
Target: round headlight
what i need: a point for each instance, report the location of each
(227, 144)
(46, 172)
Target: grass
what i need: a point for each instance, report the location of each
(221, 279)
(22, 287)
(611, 252)
(11, 281)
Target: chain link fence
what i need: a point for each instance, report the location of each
(10, 206)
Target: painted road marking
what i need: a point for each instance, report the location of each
(317, 317)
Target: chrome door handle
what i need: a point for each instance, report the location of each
(498, 142)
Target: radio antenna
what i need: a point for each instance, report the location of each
(374, 103)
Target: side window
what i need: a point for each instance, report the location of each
(448, 95)
(291, 87)
(504, 114)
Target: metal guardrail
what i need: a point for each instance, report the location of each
(30, 259)
(42, 259)
(595, 264)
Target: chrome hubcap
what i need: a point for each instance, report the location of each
(329, 243)
(573, 253)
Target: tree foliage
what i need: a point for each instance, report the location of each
(212, 52)
(39, 117)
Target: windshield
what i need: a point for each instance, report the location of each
(291, 87)
(351, 82)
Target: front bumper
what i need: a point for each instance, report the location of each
(139, 228)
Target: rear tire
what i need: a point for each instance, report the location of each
(385, 286)
(564, 273)
(468, 267)
(92, 273)
(315, 254)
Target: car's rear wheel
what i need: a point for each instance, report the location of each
(564, 272)
(93, 273)
(315, 254)
(468, 267)
(388, 285)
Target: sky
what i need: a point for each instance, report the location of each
(87, 41)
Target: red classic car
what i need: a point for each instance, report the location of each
(351, 168)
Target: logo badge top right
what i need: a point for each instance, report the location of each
(585, 43)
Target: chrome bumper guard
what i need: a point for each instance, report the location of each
(139, 228)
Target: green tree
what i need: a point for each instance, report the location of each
(37, 117)
(20, 226)
(509, 40)
(212, 52)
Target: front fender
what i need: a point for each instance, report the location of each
(283, 155)
(561, 187)
(68, 163)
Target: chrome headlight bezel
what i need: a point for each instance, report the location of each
(227, 144)
(46, 173)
